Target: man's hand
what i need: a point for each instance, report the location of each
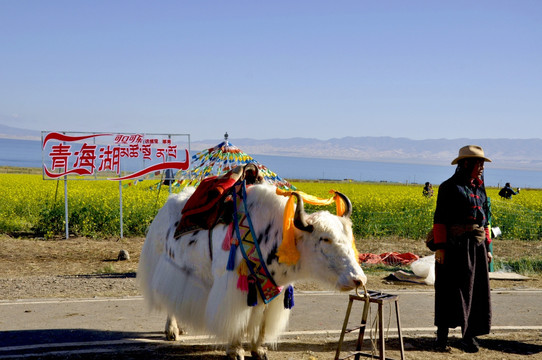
(489, 257)
(439, 256)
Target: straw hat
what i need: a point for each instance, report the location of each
(470, 151)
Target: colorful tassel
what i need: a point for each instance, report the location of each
(242, 282)
(243, 268)
(289, 297)
(356, 252)
(234, 242)
(231, 258)
(226, 244)
(287, 251)
(252, 297)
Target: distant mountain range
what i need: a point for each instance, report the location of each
(505, 153)
(8, 132)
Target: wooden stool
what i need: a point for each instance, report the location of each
(373, 297)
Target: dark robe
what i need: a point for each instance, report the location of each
(462, 290)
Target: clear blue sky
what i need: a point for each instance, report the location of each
(274, 69)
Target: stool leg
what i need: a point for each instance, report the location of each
(362, 328)
(347, 316)
(381, 333)
(399, 330)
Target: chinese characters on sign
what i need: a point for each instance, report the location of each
(91, 154)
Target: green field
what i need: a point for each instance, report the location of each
(35, 207)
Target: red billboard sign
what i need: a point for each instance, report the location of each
(116, 156)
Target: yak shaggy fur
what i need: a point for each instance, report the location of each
(179, 277)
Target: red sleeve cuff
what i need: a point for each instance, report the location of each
(488, 236)
(439, 231)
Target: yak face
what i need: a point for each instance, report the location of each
(325, 246)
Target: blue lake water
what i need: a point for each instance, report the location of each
(27, 153)
(21, 153)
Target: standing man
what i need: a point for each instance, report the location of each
(428, 190)
(462, 291)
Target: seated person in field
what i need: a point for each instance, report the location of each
(428, 190)
(506, 192)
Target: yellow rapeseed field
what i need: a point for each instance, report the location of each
(33, 206)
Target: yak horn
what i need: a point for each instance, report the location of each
(348, 210)
(300, 215)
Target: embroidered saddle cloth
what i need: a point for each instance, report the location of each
(208, 203)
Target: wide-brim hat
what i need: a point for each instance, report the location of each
(470, 151)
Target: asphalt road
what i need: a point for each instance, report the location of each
(76, 326)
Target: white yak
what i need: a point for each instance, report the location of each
(187, 276)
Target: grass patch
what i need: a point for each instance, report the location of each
(108, 269)
(522, 265)
(379, 268)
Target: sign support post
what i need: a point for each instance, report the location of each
(66, 206)
(120, 204)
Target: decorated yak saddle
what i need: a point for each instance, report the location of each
(223, 200)
(212, 203)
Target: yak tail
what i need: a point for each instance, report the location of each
(186, 299)
(153, 248)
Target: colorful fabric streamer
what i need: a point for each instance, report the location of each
(224, 157)
(253, 273)
(287, 251)
(213, 162)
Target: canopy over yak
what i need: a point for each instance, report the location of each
(227, 265)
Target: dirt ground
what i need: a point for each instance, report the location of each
(82, 267)
(497, 346)
(87, 268)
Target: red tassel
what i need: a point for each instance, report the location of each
(226, 244)
(242, 283)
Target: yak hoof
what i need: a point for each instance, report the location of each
(236, 356)
(236, 353)
(172, 335)
(260, 354)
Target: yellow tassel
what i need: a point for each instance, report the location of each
(356, 252)
(339, 203)
(242, 269)
(313, 200)
(287, 251)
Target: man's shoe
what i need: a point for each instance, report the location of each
(470, 345)
(441, 345)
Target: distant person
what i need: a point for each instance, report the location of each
(169, 177)
(461, 235)
(506, 192)
(428, 190)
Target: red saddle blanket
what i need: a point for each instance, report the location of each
(205, 207)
